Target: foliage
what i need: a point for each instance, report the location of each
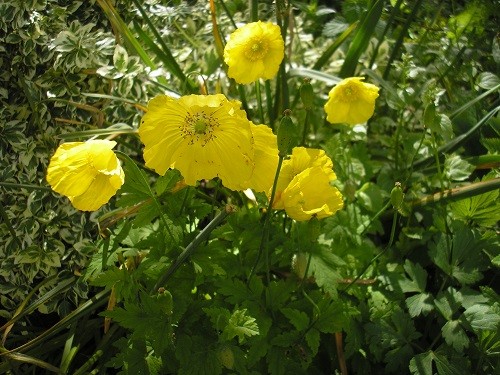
(179, 279)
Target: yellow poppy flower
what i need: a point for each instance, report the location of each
(203, 136)
(301, 159)
(254, 51)
(310, 194)
(265, 159)
(351, 101)
(88, 173)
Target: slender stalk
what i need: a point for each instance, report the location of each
(306, 127)
(254, 10)
(458, 193)
(391, 239)
(259, 101)
(269, 104)
(265, 230)
(200, 238)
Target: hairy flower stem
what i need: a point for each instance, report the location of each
(265, 230)
(259, 101)
(306, 127)
(391, 239)
(200, 238)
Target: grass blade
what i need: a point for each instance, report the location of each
(361, 39)
(333, 47)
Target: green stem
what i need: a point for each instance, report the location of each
(254, 10)
(458, 193)
(377, 215)
(306, 127)
(200, 238)
(391, 239)
(269, 104)
(259, 101)
(265, 230)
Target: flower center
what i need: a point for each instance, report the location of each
(257, 49)
(199, 126)
(349, 93)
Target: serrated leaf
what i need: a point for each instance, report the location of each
(286, 339)
(240, 324)
(418, 278)
(196, 356)
(461, 258)
(419, 304)
(324, 267)
(236, 291)
(219, 316)
(421, 364)
(483, 209)
(448, 302)
(444, 367)
(313, 339)
(299, 319)
(334, 316)
(455, 336)
(482, 317)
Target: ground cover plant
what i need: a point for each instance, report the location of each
(249, 187)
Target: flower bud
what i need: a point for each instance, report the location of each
(307, 94)
(166, 301)
(286, 134)
(397, 196)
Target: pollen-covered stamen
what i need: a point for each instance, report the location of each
(257, 49)
(199, 127)
(349, 93)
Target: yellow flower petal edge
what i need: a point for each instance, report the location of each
(254, 51)
(351, 101)
(301, 159)
(310, 194)
(203, 136)
(88, 173)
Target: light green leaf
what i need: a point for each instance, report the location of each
(482, 317)
(487, 80)
(483, 209)
(419, 304)
(457, 169)
(240, 324)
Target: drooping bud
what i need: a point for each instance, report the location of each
(307, 94)
(286, 134)
(397, 196)
(166, 301)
